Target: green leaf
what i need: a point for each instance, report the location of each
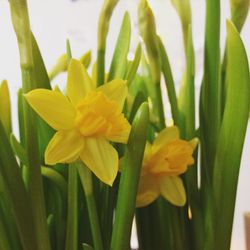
(169, 81)
(40, 72)
(40, 79)
(211, 86)
(86, 59)
(119, 60)
(129, 180)
(184, 11)
(232, 136)
(19, 150)
(139, 99)
(132, 69)
(18, 195)
(4, 241)
(7, 218)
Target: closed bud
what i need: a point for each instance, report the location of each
(148, 32)
(239, 11)
(5, 110)
(103, 25)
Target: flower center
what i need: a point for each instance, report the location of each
(172, 159)
(94, 114)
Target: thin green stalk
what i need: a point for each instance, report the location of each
(159, 106)
(35, 185)
(56, 178)
(107, 212)
(20, 21)
(100, 67)
(103, 28)
(129, 180)
(72, 217)
(86, 180)
(169, 81)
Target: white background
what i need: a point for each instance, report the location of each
(54, 21)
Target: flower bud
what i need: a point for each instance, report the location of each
(104, 19)
(239, 11)
(148, 32)
(5, 111)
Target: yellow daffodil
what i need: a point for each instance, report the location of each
(164, 160)
(86, 120)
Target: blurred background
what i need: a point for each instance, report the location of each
(54, 21)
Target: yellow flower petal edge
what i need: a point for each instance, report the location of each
(148, 190)
(65, 146)
(165, 136)
(79, 84)
(101, 158)
(53, 107)
(172, 189)
(116, 90)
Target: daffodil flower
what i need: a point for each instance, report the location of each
(164, 160)
(85, 120)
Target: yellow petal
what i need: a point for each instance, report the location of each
(53, 107)
(172, 159)
(120, 129)
(99, 116)
(5, 111)
(147, 155)
(64, 147)
(148, 190)
(79, 83)
(101, 158)
(172, 189)
(165, 136)
(115, 90)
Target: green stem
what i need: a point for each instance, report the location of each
(159, 106)
(35, 185)
(100, 67)
(56, 178)
(72, 218)
(86, 180)
(169, 81)
(108, 205)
